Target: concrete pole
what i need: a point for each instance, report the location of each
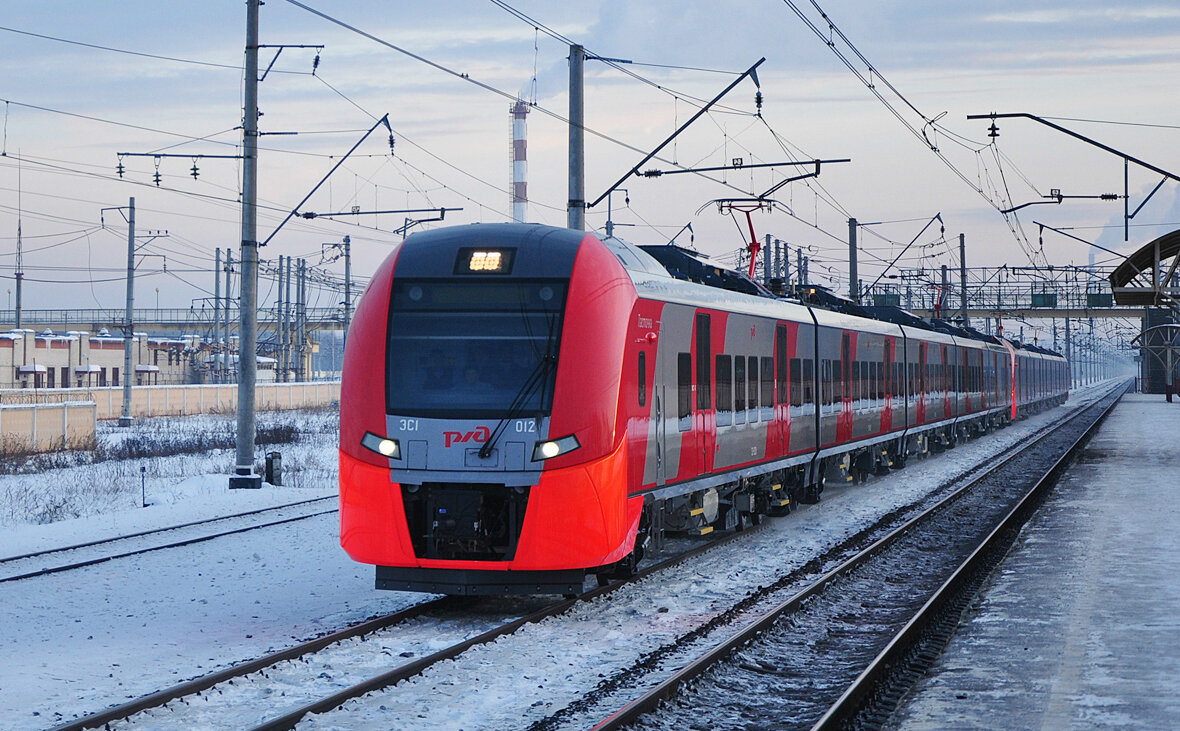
(129, 329)
(853, 284)
(1069, 352)
(216, 305)
(301, 321)
(576, 211)
(963, 279)
(767, 262)
(347, 287)
(288, 310)
(248, 343)
(225, 355)
(942, 295)
(280, 333)
(800, 272)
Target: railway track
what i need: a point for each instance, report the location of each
(841, 651)
(321, 675)
(465, 622)
(66, 558)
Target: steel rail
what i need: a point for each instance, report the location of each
(154, 700)
(174, 544)
(650, 700)
(860, 695)
(180, 526)
(288, 720)
(162, 697)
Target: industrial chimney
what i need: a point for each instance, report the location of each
(520, 195)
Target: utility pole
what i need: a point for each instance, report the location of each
(225, 357)
(799, 272)
(347, 287)
(301, 322)
(942, 295)
(963, 278)
(247, 347)
(287, 330)
(20, 271)
(767, 260)
(853, 290)
(1068, 352)
(216, 306)
(129, 330)
(576, 211)
(280, 333)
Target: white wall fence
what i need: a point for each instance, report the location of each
(27, 416)
(28, 428)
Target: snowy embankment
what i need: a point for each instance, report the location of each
(179, 466)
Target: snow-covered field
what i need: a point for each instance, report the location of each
(78, 641)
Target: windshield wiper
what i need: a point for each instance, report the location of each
(539, 376)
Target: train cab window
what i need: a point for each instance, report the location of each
(724, 370)
(642, 378)
(684, 391)
(768, 388)
(739, 389)
(472, 349)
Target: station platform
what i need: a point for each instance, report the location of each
(1080, 626)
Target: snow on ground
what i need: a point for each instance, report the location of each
(83, 499)
(78, 641)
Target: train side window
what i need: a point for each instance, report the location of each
(724, 372)
(796, 382)
(642, 378)
(780, 352)
(684, 390)
(752, 387)
(739, 389)
(827, 384)
(767, 387)
(856, 383)
(808, 382)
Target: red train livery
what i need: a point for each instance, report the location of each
(524, 405)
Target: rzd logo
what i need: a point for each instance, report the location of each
(479, 436)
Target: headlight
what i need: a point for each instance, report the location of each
(554, 447)
(382, 445)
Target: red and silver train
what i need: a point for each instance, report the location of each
(524, 405)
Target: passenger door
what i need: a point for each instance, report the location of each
(703, 423)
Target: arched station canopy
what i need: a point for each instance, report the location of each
(1138, 282)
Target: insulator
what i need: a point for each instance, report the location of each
(156, 177)
(194, 172)
(758, 100)
(119, 168)
(993, 131)
(391, 141)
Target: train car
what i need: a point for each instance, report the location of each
(523, 405)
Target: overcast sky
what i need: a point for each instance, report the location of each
(70, 109)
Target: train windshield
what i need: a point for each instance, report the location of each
(473, 348)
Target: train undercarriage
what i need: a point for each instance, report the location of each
(746, 501)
